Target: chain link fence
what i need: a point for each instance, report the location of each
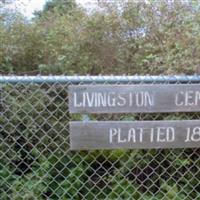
(36, 162)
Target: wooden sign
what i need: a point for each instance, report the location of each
(134, 98)
(132, 135)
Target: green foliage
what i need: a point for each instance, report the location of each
(60, 7)
(123, 37)
(36, 162)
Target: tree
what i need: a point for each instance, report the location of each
(125, 38)
(59, 6)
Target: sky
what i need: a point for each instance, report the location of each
(27, 7)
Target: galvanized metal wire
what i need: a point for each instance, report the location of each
(36, 162)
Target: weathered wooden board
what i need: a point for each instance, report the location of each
(134, 135)
(134, 98)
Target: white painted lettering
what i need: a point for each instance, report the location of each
(76, 104)
(131, 135)
(170, 136)
(189, 98)
(140, 134)
(197, 98)
(122, 100)
(152, 135)
(161, 135)
(149, 100)
(139, 98)
(90, 99)
(113, 132)
(188, 135)
(120, 139)
(178, 98)
(101, 99)
(111, 99)
(193, 134)
(196, 134)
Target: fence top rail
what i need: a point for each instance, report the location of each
(11, 79)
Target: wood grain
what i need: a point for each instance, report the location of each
(134, 135)
(134, 98)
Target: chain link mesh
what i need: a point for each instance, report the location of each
(36, 162)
